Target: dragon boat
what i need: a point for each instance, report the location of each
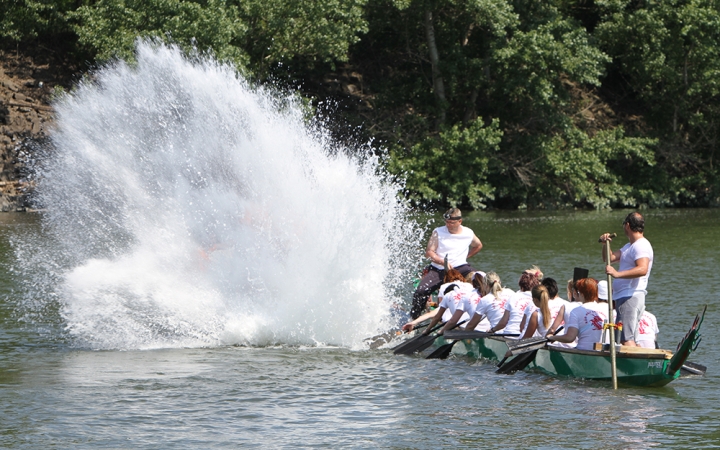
(636, 366)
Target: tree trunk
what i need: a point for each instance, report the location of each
(438, 85)
(470, 113)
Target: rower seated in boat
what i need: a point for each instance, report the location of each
(586, 321)
(512, 321)
(647, 331)
(545, 308)
(451, 292)
(491, 306)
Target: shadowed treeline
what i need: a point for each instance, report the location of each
(489, 103)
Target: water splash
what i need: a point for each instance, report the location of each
(186, 208)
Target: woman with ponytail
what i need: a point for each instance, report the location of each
(514, 320)
(491, 305)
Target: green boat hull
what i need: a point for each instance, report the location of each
(632, 369)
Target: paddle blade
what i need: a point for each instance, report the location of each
(442, 352)
(525, 345)
(425, 344)
(518, 363)
(399, 350)
(691, 368)
(416, 344)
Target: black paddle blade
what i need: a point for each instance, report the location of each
(398, 350)
(425, 344)
(442, 352)
(518, 363)
(691, 368)
(520, 345)
(416, 344)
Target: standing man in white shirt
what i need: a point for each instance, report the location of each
(456, 242)
(631, 278)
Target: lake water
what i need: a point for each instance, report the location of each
(61, 388)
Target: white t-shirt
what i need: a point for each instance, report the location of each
(455, 246)
(555, 306)
(648, 330)
(469, 302)
(450, 300)
(569, 307)
(626, 287)
(516, 306)
(492, 308)
(588, 319)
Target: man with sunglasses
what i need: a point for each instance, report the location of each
(454, 241)
(631, 279)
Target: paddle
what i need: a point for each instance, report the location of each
(472, 334)
(692, 369)
(410, 343)
(443, 351)
(423, 341)
(526, 352)
(382, 339)
(527, 345)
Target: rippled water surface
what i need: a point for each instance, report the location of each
(56, 394)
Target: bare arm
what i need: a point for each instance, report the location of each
(436, 319)
(453, 320)
(408, 327)
(614, 256)
(558, 321)
(474, 321)
(503, 322)
(475, 247)
(640, 270)
(532, 326)
(431, 249)
(568, 337)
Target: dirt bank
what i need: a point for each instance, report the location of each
(28, 78)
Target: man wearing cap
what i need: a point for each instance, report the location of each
(631, 278)
(454, 241)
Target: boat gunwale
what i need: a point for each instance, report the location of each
(649, 354)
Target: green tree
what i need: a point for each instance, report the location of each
(27, 19)
(454, 167)
(310, 32)
(110, 28)
(667, 52)
(255, 34)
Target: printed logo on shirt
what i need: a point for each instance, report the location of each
(596, 321)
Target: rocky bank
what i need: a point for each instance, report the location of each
(28, 79)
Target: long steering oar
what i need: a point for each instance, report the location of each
(443, 351)
(424, 341)
(613, 356)
(525, 349)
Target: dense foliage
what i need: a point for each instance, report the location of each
(481, 103)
